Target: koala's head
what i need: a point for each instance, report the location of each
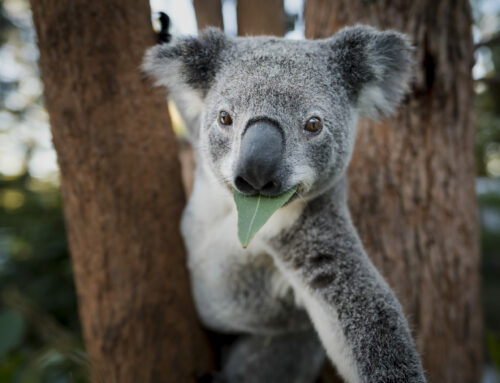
(271, 113)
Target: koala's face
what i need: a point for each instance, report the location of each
(273, 120)
(271, 113)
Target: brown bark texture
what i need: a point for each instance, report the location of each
(260, 17)
(122, 192)
(208, 13)
(412, 179)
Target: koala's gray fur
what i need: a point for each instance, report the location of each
(306, 267)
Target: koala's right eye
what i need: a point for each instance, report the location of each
(225, 118)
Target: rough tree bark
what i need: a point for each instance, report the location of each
(260, 17)
(208, 13)
(122, 192)
(412, 180)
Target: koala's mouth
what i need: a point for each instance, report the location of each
(298, 195)
(300, 190)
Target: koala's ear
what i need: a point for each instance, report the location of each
(375, 67)
(187, 68)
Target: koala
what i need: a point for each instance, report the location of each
(266, 114)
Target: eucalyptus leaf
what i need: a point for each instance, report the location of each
(254, 211)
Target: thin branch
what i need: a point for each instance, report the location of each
(489, 41)
(493, 80)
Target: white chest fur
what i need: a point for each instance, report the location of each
(209, 228)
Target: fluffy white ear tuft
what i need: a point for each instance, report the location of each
(187, 68)
(376, 68)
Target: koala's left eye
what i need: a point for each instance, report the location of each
(225, 118)
(313, 125)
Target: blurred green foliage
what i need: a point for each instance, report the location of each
(489, 213)
(39, 327)
(487, 99)
(493, 347)
(487, 106)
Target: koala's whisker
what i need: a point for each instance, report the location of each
(300, 196)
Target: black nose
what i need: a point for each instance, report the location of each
(260, 159)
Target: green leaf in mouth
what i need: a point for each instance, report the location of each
(254, 211)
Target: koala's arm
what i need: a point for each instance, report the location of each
(357, 316)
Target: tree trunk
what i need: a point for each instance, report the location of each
(260, 17)
(412, 180)
(122, 191)
(208, 13)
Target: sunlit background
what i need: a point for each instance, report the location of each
(39, 330)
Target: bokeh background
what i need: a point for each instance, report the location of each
(40, 338)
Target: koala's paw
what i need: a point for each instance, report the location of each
(209, 377)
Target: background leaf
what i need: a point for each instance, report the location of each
(11, 331)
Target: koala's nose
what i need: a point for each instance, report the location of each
(260, 158)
